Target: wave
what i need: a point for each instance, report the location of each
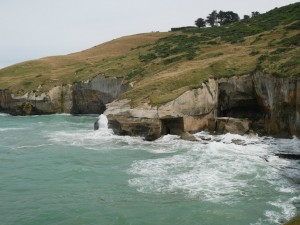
(220, 169)
(102, 139)
(11, 129)
(194, 174)
(4, 114)
(32, 146)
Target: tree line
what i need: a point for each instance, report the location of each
(221, 18)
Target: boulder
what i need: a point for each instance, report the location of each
(188, 137)
(150, 129)
(96, 125)
(224, 125)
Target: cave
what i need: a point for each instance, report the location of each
(239, 105)
(250, 111)
(173, 126)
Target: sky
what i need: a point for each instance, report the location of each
(31, 29)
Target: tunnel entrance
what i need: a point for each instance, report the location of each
(172, 126)
(243, 109)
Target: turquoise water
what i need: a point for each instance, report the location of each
(57, 170)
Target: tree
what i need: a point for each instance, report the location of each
(221, 17)
(246, 17)
(227, 17)
(211, 19)
(254, 14)
(200, 22)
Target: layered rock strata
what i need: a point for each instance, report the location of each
(251, 103)
(258, 102)
(80, 98)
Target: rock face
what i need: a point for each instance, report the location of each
(259, 102)
(279, 99)
(188, 113)
(223, 125)
(80, 98)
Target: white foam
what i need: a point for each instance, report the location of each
(4, 114)
(11, 129)
(209, 172)
(221, 168)
(216, 170)
(32, 146)
(63, 114)
(102, 139)
(103, 122)
(285, 210)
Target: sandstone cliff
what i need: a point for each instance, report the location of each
(242, 104)
(80, 98)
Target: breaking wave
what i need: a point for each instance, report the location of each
(221, 169)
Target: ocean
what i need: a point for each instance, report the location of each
(56, 170)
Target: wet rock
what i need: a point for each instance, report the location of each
(232, 125)
(188, 137)
(205, 138)
(238, 142)
(96, 125)
(295, 156)
(294, 221)
(150, 129)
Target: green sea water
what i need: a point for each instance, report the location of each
(55, 170)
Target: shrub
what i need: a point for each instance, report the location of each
(147, 58)
(134, 73)
(291, 41)
(254, 52)
(281, 50)
(171, 60)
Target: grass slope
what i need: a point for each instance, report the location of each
(164, 65)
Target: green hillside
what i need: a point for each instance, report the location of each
(164, 65)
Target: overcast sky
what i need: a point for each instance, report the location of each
(32, 29)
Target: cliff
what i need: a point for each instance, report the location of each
(87, 97)
(250, 103)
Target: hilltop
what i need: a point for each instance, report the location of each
(162, 66)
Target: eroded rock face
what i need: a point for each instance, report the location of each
(237, 98)
(56, 100)
(148, 128)
(259, 102)
(201, 101)
(222, 125)
(187, 113)
(80, 98)
(270, 104)
(279, 99)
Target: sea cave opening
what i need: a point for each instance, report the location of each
(173, 126)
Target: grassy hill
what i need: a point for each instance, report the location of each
(164, 65)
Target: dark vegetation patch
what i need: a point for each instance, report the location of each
(291, 41)
(134, 73)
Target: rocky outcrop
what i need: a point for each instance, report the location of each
(259, 102)
(188, 113)
(90, 97)
(237, 98)
(279, 99)
(80, 98)
(145, 127)
(56, 100)
(223, 125)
